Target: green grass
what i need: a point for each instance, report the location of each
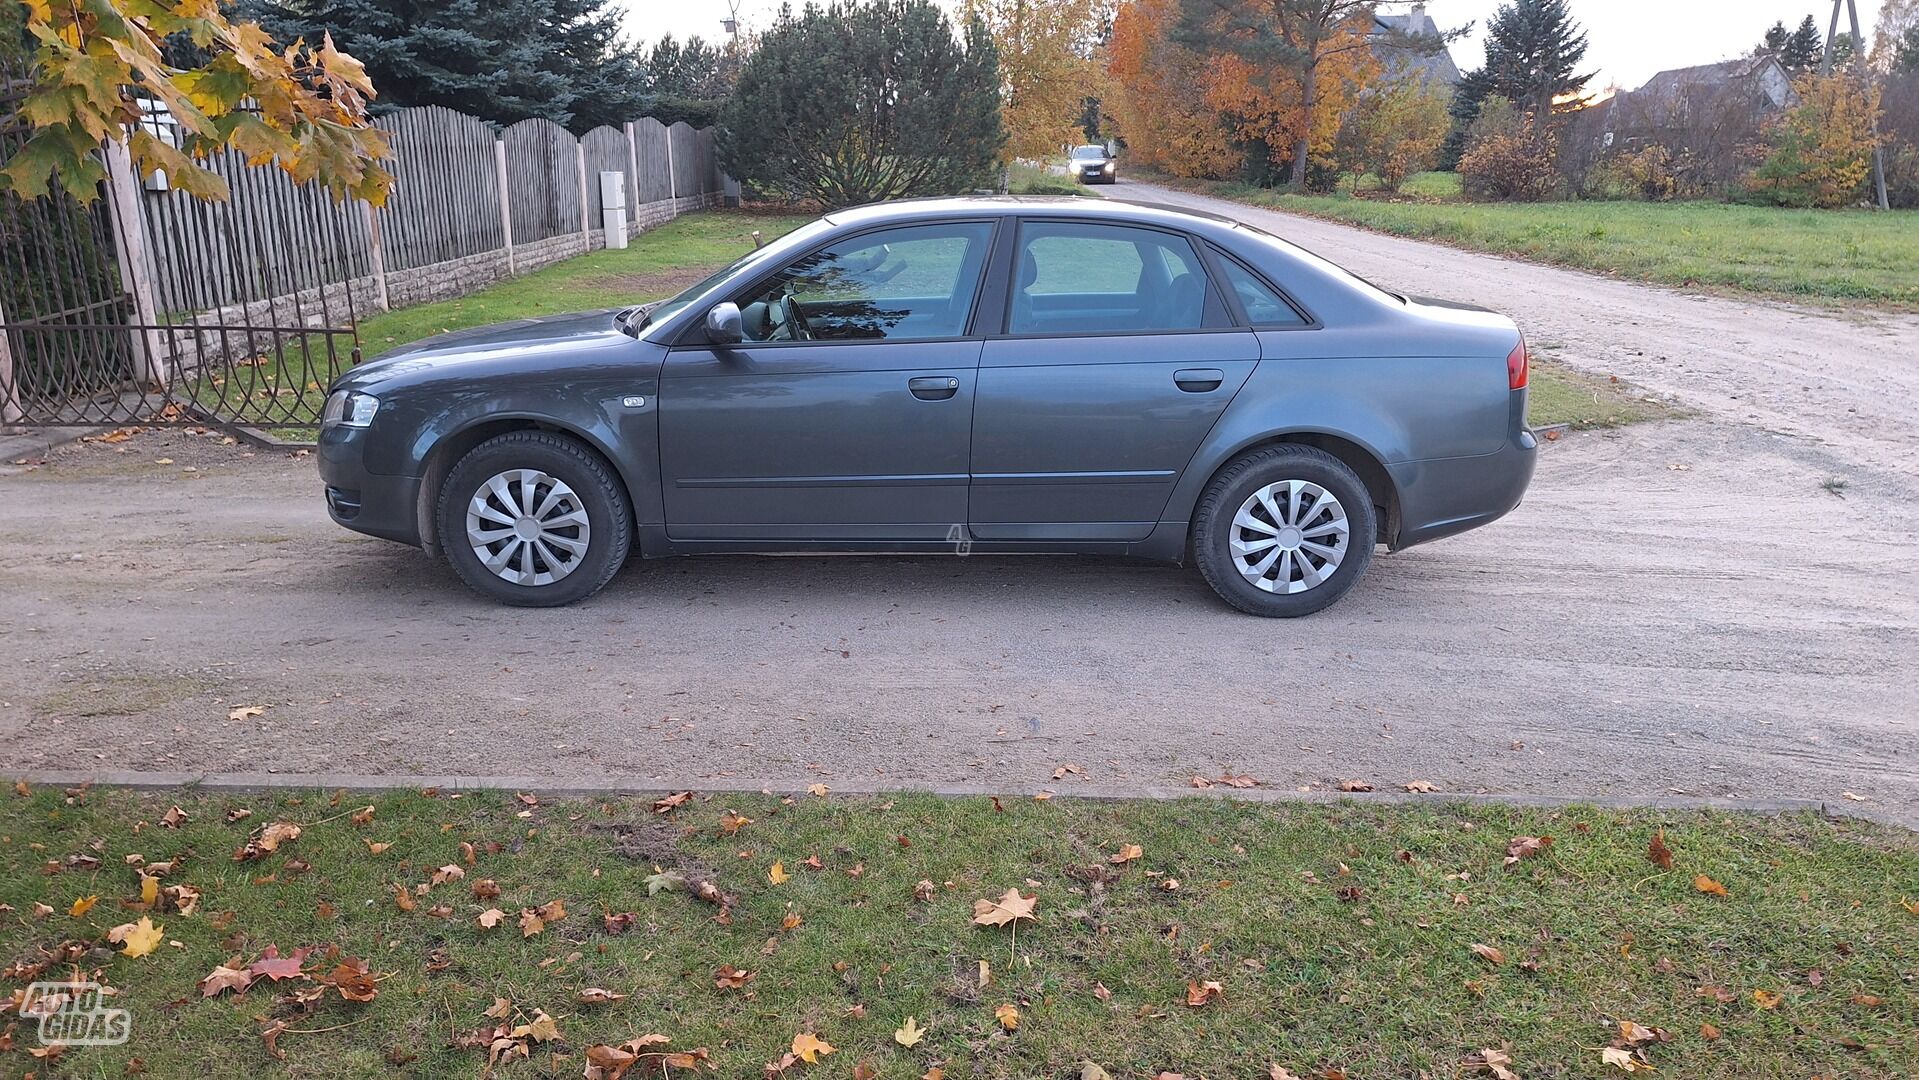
(1340, 935)
(1031, 180)
(1560, 395)
(1820, 255)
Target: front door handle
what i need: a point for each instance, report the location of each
(933, 387)
(1198, 380)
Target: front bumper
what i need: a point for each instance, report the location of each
(1093, 176)
(1440, 497)
(368, 502)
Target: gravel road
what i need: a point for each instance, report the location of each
(1678, 608)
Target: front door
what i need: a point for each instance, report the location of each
(846, 414)
(1118, 357)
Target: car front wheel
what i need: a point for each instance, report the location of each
(534, 519)
(1284, 531)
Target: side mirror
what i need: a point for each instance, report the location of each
(724, 326)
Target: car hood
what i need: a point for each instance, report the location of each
(523, 337)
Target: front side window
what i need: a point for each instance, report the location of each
(1076, 278)
(910, 283)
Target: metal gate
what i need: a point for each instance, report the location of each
(147, 306)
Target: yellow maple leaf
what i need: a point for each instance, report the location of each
(1008, 1017)
(1126, 853)
(149, 889)
(1612, 1055)
(82, 906)
(1009, 908)
(910, 1033)
(138, 938)
(1708, 886)
(810, 1046)
(777, 874)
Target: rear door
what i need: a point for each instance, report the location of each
(1118, 355)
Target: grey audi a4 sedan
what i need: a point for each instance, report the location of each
(953, 375)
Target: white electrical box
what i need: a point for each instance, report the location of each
(613, 207)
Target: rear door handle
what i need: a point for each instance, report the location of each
(933, 387)
(1198, 380)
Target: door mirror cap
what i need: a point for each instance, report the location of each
(724, 325)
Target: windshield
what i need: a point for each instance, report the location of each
(666, 309)
(1083, 153)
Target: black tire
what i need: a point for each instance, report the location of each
(1236, 483)
(600, 495)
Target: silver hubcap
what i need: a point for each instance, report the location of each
(527, 527)
(1289, 536)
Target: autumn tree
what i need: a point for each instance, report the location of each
(1157, 94)
(96, 64)
(1292, 52)
(1821, 147)
(1394, 130)
(1046, 68)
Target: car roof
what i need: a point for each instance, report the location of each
(1117, 210)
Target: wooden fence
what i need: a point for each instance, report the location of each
(470, 205)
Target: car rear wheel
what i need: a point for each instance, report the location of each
(534, 519)
(1284, 531)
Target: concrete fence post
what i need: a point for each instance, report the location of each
(586, 204)
(506, 203)
(10, 410)
(633, 163)
(150, 351)
(376, 252)
(672, 178)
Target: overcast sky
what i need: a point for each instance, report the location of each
(1630, 39)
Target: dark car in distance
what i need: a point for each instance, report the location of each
(953, 375)
(1092, 165)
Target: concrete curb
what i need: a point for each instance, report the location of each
(587, 787)
(39, 442)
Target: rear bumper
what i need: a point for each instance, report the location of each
(1441, 497)
(366, 502)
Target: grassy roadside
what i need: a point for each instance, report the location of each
(1830, 256)
(1387, 941)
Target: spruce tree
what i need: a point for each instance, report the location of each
(1533, 50)
(1803, 48)
(1775, 40)
(500, 60)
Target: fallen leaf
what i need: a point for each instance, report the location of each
(1525, 847)
(245, 712)
(543, 1028)
(1868, 1000)
(1092, 1071)
(552, 911)
(149, 889)
(777, 873)
(1633, 1033)
(271, 965)
(1612, 1055)
(924, 891)
(1060, 773)
(1008, 1017)
(1279, 1072)
(449, 872)
(1424, 787)
(1354, 785)
(1201, 993)
(266, 839)
(594, 995)
(491, 918)
(731, 822)
(83, 905)
(910, 1033)
(818, 790)
(810, 1047)
(173, 818)
(1009, 908)
(1766, 999)
(223, 978)
(1708, 886)
(376, 847)
(728, 977)
(1708, 1032)
(1489, 954)
(530, 923)
(138, 938)
(1658, 852)
(667, 804)
(1126, 853)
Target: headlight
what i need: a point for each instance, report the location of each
(349, 407)
(1109, 166)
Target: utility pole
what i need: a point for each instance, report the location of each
(1825, 68)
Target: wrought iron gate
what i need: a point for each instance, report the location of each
(146, 306)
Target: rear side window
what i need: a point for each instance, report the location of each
(1263, 306)
(1077, 278)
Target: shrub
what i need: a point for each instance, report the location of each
(1822, 147)
(1510, 166)
(1394, 130)
(1650, 173)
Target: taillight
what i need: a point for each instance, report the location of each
(1516, 366)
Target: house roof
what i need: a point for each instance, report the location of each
(1434, 68)
(1666, 93)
